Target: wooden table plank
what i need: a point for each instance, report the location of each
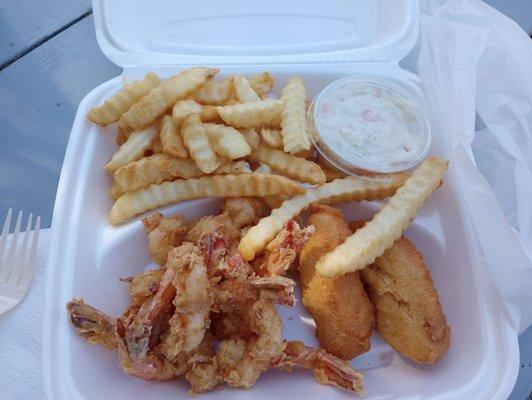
(24, 22)
(39, 95)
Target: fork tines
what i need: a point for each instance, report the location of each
(17, 259)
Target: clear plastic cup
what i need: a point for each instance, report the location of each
(364, 124)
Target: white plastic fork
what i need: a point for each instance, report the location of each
(17, 262)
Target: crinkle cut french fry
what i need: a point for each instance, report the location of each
(214, 92)
(183, 109)
(133, 149)
(156, 146)
(379, 234)
(111, 110)
(271, 138)
(289, 165)
(234, 168)
(159, 101)
(251, 136)
(114, 192)
(340, 190)
(227, 141)
(263, 169)
(243, 91)
(256, 113)
(262, 84)
(155, 169)
(171, 140)
(243, 185)
(294, 117)
(198, 144)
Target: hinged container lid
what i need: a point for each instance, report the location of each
(163, 32)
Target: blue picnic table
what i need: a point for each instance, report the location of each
(49, 60)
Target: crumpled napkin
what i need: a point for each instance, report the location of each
(20, 336)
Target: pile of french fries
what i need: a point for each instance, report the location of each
(193, 135)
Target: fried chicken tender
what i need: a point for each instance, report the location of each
(408, 310)
(340, 307)
(164, 234)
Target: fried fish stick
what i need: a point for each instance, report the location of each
(408, 310)
(340, 307)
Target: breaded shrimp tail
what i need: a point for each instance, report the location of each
(340, 307)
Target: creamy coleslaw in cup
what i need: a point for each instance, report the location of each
(364, 123)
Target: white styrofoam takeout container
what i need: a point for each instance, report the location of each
(319, 41)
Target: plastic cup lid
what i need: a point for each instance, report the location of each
(368, 123)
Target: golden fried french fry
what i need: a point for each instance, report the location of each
(294, 117)
(214, 92)
(271, 138)
(243, 185)
(121, 137)
(263, 169)
(234, 168)
(156, 146)
(159, 101)
(251, 136)
(340, 190)
(262, 84)
(231, 102)
(114, 192)
(289, 165)
(227, 141)
(171, 140)
(155, 169)
(198, 144)
(210, 114)
(245, 115)
(133, 149)
(244, 93)
(330, 171)
(184, 109)
(111, 110)
(379, 234)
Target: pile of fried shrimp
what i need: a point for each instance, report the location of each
(206, 314)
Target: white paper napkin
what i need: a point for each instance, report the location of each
(20, 337)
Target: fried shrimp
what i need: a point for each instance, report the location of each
(144, 285)
(242, 361)
(283, 249)
(328, 369)
(93, 325)
(340, 307)
(206, 315)
(192, 301)
(244, 210)
(164, 234)
(143, 332)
